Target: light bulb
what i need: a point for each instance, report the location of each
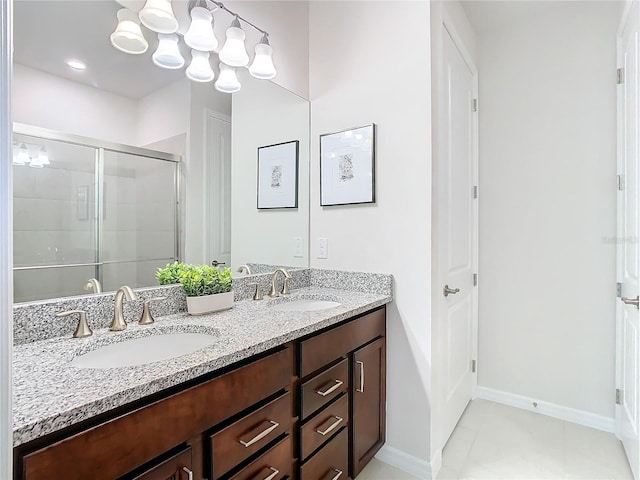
(168, 55)
(227, 80)
(157, 15)
(262, 66)
(43, 157)
(199, 70)
(233, 52)
(127, 36)
(200, 35)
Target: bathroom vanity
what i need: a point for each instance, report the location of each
(280, 395)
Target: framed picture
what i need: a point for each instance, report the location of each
(278, 175)
(347, 166)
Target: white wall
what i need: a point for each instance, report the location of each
(52, 102)
(357, 76)
(547, 207)
(267, 114)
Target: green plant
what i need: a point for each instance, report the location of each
(196, 280)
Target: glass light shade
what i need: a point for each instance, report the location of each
(43, 157)
(199, 70)
(157, 15)
(262, 66)
(168, 54)
(200, 35)
(127, 36)
(35, 163)
(227, 80)
(20, 155)
(233, 52)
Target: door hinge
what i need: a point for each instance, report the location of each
(618, 290)
(475, 279)
(475, 191)
(620, 76)
(473, 366)
(620, 182)
(618, 396)
(474, 105)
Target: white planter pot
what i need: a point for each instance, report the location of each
(209, 303)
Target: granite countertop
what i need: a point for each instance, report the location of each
(49, 394)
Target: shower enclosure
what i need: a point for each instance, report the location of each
(84, 209)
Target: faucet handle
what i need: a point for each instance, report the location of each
(147, 318)
(258, 294)
(82, 330)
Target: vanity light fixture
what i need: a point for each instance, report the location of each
(43, 157)
(128, 36)
(158, 16)
(76, 65)
(20, 154)
(227, 80)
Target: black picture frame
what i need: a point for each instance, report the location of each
(277, 183)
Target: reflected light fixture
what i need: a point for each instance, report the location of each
(76, 64)
(158, 16)
(233, 52)
(200, 35)
(127, 36)
(168, 54)
(43, 157)
(199, 70)
(20, 154)
(262, 66)
(227, 80)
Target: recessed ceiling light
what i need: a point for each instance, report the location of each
(76, 65)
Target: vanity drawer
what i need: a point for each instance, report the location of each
(238, 441)
(178, 466)
(323, 426)
(330, 463)
(156, 428)
(275, 464)
(324, 387)
(318, 351)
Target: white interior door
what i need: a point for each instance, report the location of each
(457, 227)
(628, 331)
(218, 152)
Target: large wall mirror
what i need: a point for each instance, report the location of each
(121, 167)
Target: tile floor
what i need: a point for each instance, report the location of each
(497, 442)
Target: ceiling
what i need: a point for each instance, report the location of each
(488, 14)
(47, 32)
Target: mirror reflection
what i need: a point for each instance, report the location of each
(121, 167)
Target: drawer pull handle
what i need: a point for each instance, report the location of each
(361, 389)
(331, 389)
(272, 426)
(331, 427)
(272, 474)
(188, 472)
(333, 475)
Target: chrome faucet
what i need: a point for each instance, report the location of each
(285, 288)
(93, 286)
(244, 269)
(118, 323)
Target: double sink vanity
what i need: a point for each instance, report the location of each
(281, 388)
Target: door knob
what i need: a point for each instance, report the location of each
(632, 301)
(216, 263)
(449, 291)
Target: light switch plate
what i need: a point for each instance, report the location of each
(323, 248)
(297, 247)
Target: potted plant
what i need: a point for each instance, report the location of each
(208, 289)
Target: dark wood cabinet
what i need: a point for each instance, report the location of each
(368, 401)
(313, 409)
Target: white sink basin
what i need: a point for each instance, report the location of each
(305, 305)
(139, 351)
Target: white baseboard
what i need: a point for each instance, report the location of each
(580, 417)
(415, 466)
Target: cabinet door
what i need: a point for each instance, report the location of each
(177, 467)
(368, 401)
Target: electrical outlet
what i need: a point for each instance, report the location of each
(297, 247)
(323, 248)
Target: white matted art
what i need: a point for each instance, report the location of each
(347, 167)
(278, 175)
